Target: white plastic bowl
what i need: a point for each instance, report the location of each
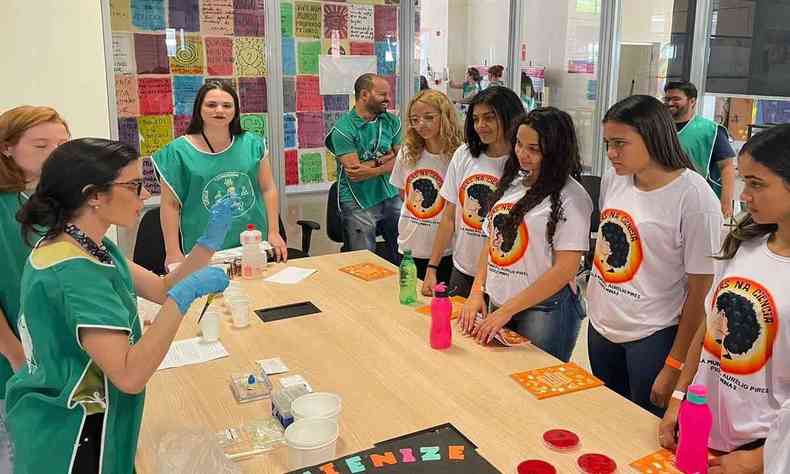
(311, 441)
(317, 405)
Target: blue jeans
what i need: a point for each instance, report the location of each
(552, 325)
(630, 368)
(360, 226)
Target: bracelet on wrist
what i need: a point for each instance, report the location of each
(435, 267)
(673, 363)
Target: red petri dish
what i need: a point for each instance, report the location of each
(561, 440)
(536, 466)
(596, 464)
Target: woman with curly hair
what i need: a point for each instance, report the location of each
(431, 139)
(660, 225)
(742, 353)
(538, 229)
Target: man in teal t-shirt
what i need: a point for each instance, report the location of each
(366, 141)
(704, 141)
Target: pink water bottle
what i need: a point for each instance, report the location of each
(695, 422)
(441, 311)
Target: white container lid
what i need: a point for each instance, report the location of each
(317, 405)
(312, 433)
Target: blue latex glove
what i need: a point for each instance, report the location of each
(200, 283)
(219, 222)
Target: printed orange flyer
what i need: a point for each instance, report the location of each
(556, 380)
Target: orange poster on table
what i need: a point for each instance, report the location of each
(556, 380)
(368, 271)
(458, 305)
(660, 462)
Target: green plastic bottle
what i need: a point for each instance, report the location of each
(408, 279)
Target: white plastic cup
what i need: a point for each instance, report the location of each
(317, 405)
(311, 441)
(209, 326)
(240, 310)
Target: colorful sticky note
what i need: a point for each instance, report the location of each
(180, 124)
(362, 48)
(308, 97)
(308, 52)
(386, 57)
(150, 54)
(335, 21)
(189, 56)
(149, 177)
(385, 23)
(255, 123)
(216, 17)
(311, 129)
(219, 56)
(307, 20)
(311, 167)
(336, 102)
(126, 98)
(123, 54)
(120, 15)
(360, 23)
(252, 94)
(248, 18)
(184, 15)
(156, 95)
(287, 19)
(289, 94)
(148, 14)
(156, 131)
(289, 57)
(291, 167)
(331, 166)
(128, 132)
(248, 56)
(289, 128)
(185, 89)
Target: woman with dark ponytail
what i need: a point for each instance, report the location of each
(538, 229)
(742, 352)
(87, 359)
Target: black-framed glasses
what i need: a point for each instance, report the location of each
(136, 184)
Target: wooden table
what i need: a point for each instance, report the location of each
(374, 352)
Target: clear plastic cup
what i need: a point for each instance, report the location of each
(240, 310)
(209, 326)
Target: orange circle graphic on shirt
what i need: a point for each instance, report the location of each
(506, 247)
(473, 197)
(742, 324)
(422, 193)
(618, 247)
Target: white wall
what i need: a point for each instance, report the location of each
(53, 55)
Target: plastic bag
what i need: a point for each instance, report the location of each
(193, 452)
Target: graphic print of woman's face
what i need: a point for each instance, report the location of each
(613, 246)
(502, 240)
(423, 194)
(476, 200)
(740, 328)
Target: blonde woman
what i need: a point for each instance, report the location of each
(431, 139)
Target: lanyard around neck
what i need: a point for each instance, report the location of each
(207, 142)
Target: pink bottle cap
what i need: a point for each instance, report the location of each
(596, 464)
(536, 466)
(561, 440)
(440, 287)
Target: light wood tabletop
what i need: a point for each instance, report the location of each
(374, 353)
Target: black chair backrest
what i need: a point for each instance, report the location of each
(149, 247)
(592, 184)
(282, 229)
(334, 223)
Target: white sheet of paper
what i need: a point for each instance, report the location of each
(290, 275)
(292, 380)
(272, 366)
(192, 351)
(336, 74)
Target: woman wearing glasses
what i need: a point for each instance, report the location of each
(433, 136)
(77, 405)
(215, 158)
(27, 136)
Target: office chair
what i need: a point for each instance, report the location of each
(592, 184)
(149, 246)
(334, 225)
(307, 235)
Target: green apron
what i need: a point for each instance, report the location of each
(697, 138)
(199, 180)
(13, 253)
(64, 289)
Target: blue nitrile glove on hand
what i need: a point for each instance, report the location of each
(219, 222)
(200, 283)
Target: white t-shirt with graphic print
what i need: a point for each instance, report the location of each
(648, 241)
(468, 184)
(423, 207)
(745, 360)
(516, 261)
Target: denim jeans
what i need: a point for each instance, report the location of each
(360, 226)
(552, 325)
(6, 450)
(630, 368)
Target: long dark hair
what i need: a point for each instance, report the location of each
(507, 106)
(771, 149)
(72, 174)
(654, 124)
(196, 124)
(561, 160)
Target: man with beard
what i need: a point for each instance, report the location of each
(365, 141)
(704, 141)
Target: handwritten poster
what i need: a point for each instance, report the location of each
(291, 167)
(386, 57)
(120, 15)
(308, 52)
(311, 167)
(184, 15)
(308, 98)
(252, 94)
(148, 14)
(289, 127)
(249, 19)
(361, 48)
(216, 17)
(337, 74)
(219, 56)
(335, 21)
(127, 132)
(331, 166)
(287, 19)
(289, 94)
(126, 98)
(330, 119)
(307, 20)
(156, 95)
(122, 54)
(180, 124)
(343, 47)
(189, 56)
(360, 23)
(149, 177)
(185, 89)
(311, 129)
(248, 56)
(150, 54)
(289, 57)
(336, 102)
(385, 23)
(255, 123)
(156, 131)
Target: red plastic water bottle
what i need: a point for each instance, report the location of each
(441, 312)
(695, 422)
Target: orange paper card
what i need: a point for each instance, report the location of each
(458, 304)
(556, 380)
(660, 462)
(368, 271)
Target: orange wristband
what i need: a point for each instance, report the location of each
(674, 363)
